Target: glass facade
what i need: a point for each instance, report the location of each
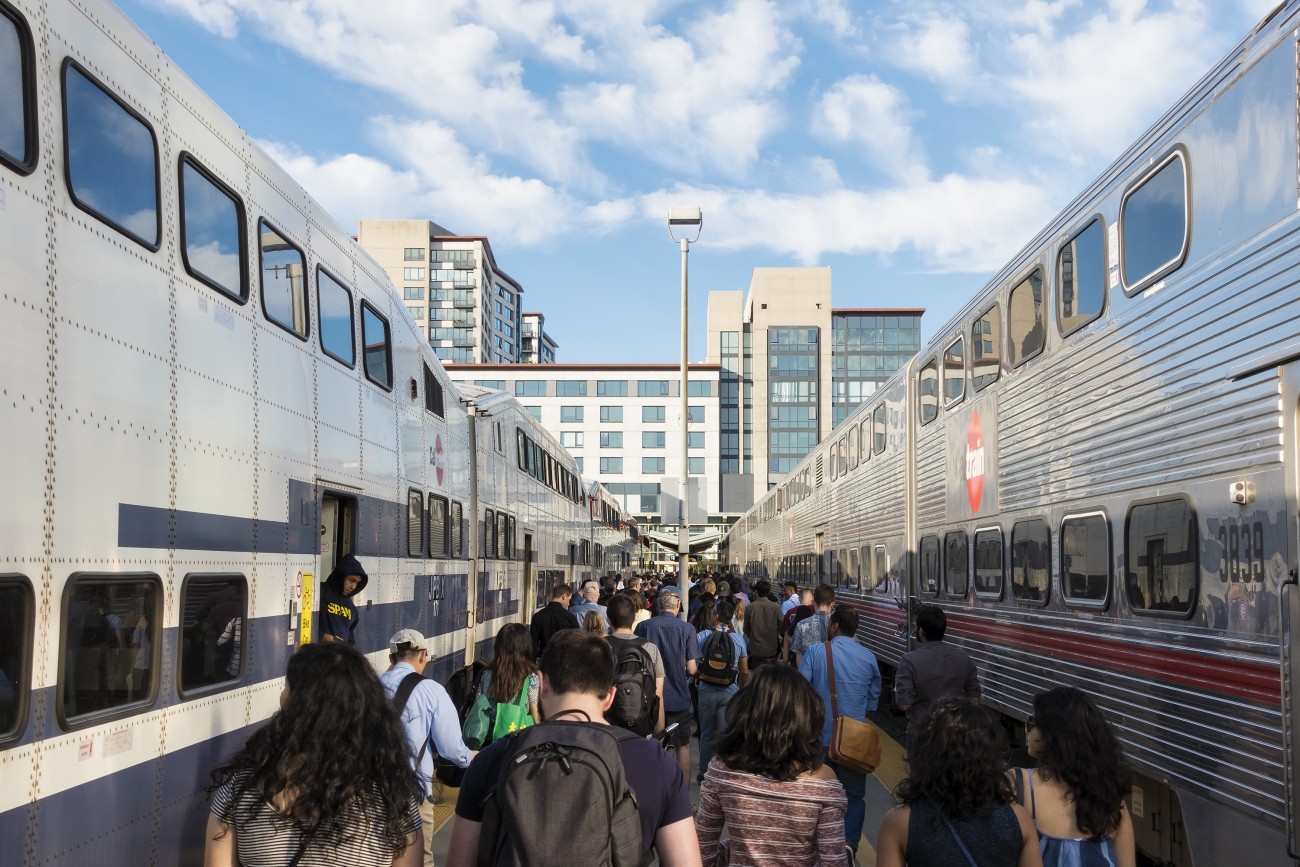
(866, 350)
(792, 391)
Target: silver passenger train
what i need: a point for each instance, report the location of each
(1093, 468)
(210, 394)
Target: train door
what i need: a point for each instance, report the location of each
(338, 529)
(537, 595)
(1290, 607)
(819, 550)
(573, 564)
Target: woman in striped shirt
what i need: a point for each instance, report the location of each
(767, 783)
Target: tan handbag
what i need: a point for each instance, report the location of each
(855, 744)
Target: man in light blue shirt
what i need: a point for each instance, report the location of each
(857, 680)
(429, 716)
(590, 593)
(791, 598)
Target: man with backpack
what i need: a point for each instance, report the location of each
(638, 673)
(428, 716)
(574, 790)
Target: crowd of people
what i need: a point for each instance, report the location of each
(580, 746)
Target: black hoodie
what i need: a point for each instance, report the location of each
(338, 615)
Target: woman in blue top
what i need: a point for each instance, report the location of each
(714, 694)
(1076, 794)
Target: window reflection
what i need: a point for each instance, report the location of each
(1081, 274)
(1153, 222)
(880, 432)
(928, 392)
(1031, 555)
(956, 564)
(212, 630)
(16, 618)
(284, 295)
(112, 159)
(1025, 319)
(16, 139)
(109, 635)
(988, 562)
(213, 227)
(374, 336)
(1161, 571)
(954, 371)
(335, 303)
(985, 343)
(1085, 558)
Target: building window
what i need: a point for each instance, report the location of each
(985, 349)
(1153, 224)
(111, 156)
(611, 439)
(652, 388)
(699, 388)
(652, 466)
(695, 466)
(534, 411)
(652, 414)
(112, 632)
(413, 293)
(334, 305)
(1160, 558)
(412, 273)
(530, 388)
(577, 459)
(611, 415)
(376, 346)
(611, 466)
(212, 606)
(1031, 558)
(212, 229)
(652, 439)
(571, 388)
(1081, 274)
(695, 439)
(284, 281)
(570, 413)
(571, 439)
(611, 388)
(413, 254)
(416, 311)
(1025, 330)
(695, 415)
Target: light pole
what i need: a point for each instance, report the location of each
(685, 218)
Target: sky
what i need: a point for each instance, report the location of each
(912, 146)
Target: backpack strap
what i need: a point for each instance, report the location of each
(402, 696)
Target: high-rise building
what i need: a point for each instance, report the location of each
(469, 309)
(791, 368)
(537, 347)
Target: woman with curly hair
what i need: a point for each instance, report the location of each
(958, 804)
(768, 784)
(514, 662)
(1076, 794)
(328, 780)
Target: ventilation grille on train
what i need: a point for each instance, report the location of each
(818, 482)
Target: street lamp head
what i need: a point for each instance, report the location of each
(685, 217)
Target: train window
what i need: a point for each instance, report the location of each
(438, 540)
(521, 447)
(879, 430)
(1025, 319)
(930, 565)
(488, 544)
(956, 564)
(432, 393)
(511, 550)
(17, 92)
(927, 392)
(954, 372)
(111, 638)
(831, 462)
(989, 575)
(211, 634)
(334, 306)
(854, 577)
(457, 531)
(864, 440)
(16, 641)
(503, 537)
(1153, 224)
(986, 349)
(414, 524)
(1160, 558)
(843, 455)
(1031, 559)
(880, 569)
(111, 158)
(1081, 276)
(853, 447)
(212, 231)
(377, 347)
(1085, 558)
(284, 289)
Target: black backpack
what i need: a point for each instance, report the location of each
(636, 702)
(719, 664)
(555, 779)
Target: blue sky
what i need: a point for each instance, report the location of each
(912, 146)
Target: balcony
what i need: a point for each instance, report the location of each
(464, 300)
(464, 266)
(462, 337)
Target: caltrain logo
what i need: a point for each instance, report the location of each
(436, 458)
(974, 462)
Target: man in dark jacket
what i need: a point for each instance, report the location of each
(551, 618)
(338, 614)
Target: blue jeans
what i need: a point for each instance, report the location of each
(855, 789)
(713, 716)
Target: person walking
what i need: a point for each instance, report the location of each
(1075, 795)
(552, 617)
(429, 719)
(762, 626)
(857, 691)
(958, 804)
(511, 683)
(720, 675)
(781, 804)
(933, 670)
(813, 630)
(590, 593)
(680, 651)
(328, 780)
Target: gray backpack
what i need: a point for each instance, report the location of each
(558, 778)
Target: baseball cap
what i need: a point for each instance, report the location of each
(669, 590)
(408, 637)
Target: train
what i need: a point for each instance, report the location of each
(210, 395)
(1092, 467)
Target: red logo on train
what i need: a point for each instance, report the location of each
(975, 462)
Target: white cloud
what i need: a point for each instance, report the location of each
(937, 47)
(833, 13)
(864, 110)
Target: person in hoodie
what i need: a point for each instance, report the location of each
(338, 614)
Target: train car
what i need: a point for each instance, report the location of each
(1092, 468)
(211, 394)
(614, 533)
